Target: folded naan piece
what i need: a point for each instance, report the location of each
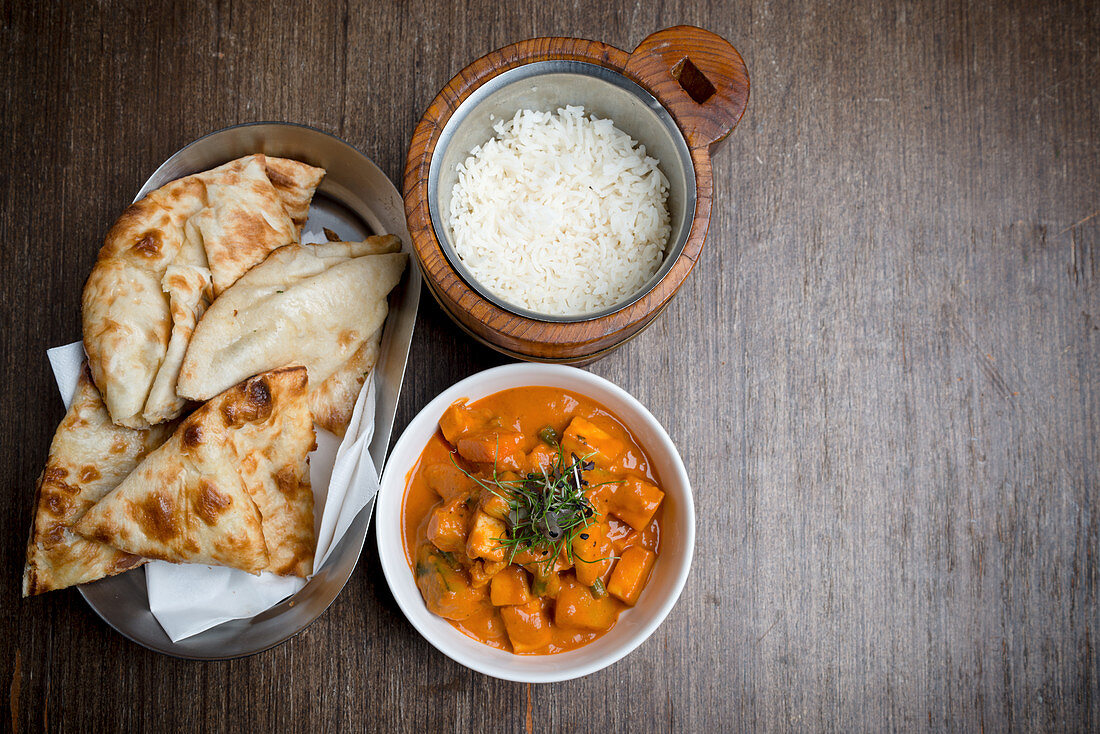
(188, 502)
(331, 403)
(310, 305)
(276, 476)
(186, 282)
(244, 220)
(88, 458)
(233, 215)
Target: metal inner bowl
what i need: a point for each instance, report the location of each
(549, 85)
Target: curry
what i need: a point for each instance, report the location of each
(532, 520)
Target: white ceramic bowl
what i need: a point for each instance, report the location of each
(634, 625)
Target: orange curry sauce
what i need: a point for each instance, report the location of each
(452, 526)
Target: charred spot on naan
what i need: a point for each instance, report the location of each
(155, 515)
(238, 545)
(249, 402)
(296, 183)
(149, 245)
(299, 558)
(289, 483)
(55, 474)
(55, 494)
(125, 561)
(57, 503)
(192, 435)
(249, 226)
(209, 504)
(278, 179)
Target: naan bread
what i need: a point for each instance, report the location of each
(88, 457)
(244, 220)
(187, 285)
(312, 305)
(276, 476)
(187, 502)
(241, 211)
(331, 403)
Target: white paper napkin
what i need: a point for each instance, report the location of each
(189, 598)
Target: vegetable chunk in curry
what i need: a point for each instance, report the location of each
(531, 520)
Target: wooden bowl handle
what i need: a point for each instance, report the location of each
(698, 76)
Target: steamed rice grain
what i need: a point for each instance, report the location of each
(560, 213)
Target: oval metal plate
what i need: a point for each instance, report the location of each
(355, 199)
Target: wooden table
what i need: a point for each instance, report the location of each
(882, 375)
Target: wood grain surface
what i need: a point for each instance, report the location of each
(882, 374)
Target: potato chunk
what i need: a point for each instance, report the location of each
(544, 581)
(593, 552)
(510, 587)
(447, 525)
(600, 490)
(576, 606)
(590, 442)
(484, 539)
(528, 626)
(493, 503)
(635, 501)
(631, 574)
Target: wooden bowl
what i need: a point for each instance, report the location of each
(679, 93)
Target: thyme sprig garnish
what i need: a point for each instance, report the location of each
(546, 510)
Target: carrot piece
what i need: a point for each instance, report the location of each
(577, 606)
(631, 574)
(527, 625)
(510, 587)
(636, 501)
(590, 442)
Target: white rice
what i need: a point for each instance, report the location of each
(560, 213)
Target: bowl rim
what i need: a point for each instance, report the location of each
(356, 534)
(391, 549)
